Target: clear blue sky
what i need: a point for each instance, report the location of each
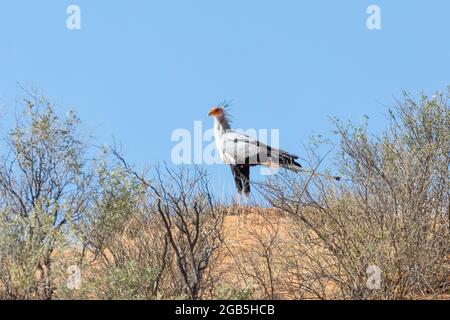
(137, 70)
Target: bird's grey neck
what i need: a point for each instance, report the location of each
(222, 125)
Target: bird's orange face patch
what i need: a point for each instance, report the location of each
(215, 111)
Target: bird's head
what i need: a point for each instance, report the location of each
(216, 112)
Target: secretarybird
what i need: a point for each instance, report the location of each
(241, 152)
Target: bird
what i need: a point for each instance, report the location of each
(241, 152)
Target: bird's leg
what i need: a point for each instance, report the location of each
(246, 184)
(239, 199)
(244, 211)
(247, 200)
(238, 182)
(239, 209)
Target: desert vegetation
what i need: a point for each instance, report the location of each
(82, 222)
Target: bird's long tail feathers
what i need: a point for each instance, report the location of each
(288, 161)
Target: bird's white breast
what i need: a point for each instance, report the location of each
(219, 134)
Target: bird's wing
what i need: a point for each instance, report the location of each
(238, 148)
